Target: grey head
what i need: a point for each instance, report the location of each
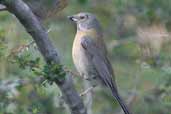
(85, 20)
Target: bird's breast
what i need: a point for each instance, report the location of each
(81, 61)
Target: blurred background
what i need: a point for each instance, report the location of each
(137, 35)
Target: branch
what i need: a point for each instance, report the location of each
(40, 36)
(88, 96)
(46, 8)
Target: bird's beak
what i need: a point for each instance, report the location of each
(73, 18)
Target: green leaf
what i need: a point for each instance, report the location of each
(83, 1)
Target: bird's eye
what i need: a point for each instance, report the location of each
(82, 17)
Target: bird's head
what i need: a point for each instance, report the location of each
(85, 21)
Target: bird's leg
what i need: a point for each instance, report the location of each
(91, 81)
(88, 82)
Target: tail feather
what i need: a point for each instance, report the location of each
(121, 102)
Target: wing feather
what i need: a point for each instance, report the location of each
(103, 68)
(99, 60)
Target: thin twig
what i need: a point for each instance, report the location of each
(86, 91)
(21, 48)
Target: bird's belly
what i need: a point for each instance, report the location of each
(82, 62)
(85, 67)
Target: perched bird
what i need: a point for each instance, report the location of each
(90, 54)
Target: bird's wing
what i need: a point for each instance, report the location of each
(103, 68)
(99, 60)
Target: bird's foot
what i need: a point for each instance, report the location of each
(90, 78)
(73, 73)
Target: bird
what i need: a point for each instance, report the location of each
(90, 56)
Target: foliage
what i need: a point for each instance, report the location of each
(153, 85)
(53, 72)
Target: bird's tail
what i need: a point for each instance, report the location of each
(120, 100)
